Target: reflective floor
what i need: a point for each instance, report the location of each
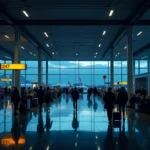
(63, 128)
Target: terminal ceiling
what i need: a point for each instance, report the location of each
(75, 28)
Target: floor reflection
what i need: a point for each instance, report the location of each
(64, 127)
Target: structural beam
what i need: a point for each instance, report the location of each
(74, 22)
(6, 50)
(134, 19)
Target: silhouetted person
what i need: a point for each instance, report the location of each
(89, 93)
(122, 100)
(95, 105)
(75, 97)
(109, 100)
(15, 131)
(95, 91)
(40, 97)
(15, 99)
(48, 96)
(75, 122)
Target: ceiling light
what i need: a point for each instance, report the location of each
(46, 34)
(94, 56)
(22, 47)
(139, 33)
(144, 57)
(118, 53)
(25, 13)
(125, 47)
(96, 53)
(99, 45)
(30, 52)
(7, 57)
(47, 45)
(53, 53)
(76, 54)
(34, 54)
(104, 32)
(111, 13)
(6, 36)
(51, 44)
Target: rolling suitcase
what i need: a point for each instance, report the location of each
(116, 115)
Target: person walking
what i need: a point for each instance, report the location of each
(75, 97)
(15, 97)
(109, 100)
(40, 97)
(48, 96)
(122, 100)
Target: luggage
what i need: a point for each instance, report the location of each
(116, 116)
(22, 109)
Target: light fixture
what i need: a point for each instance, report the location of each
(51, 44)
(76, 54)
(7, 57)
(22, 47)
(76, 144)
(31, 148)
(139, 33)
(98, 148)
(25, 13)
(96, 137)
(111, 13)
(125, 47)
(96, 53)
(34, 54)
(99, 45)
(30, 52)
(47, 45)
(53, 53)
(104, 32)
(118, 53)
(46, 34)
(47, 148)
(144, 57)
(6, 36)
(94, 56)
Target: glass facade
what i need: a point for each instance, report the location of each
(89, 73)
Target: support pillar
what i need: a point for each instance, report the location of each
(46, 71)
(17, 58)
(112, 68)
(39, 68)
(129, 61)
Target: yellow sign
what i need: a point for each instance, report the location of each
(12, 66)
(123, 83)
(6, 79)
(10, 141)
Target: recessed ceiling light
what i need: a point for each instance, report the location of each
(76, 54)
(111, 13)
(7, 57)
(22, 47)
(46, 34)
(47, 45)
(99, 45)
(6, 36)
(118, 53)
(139, 33)
(104, 32)
(34, 54)
(125, 47)
(25, 13)
(51, 44)
(144, 57)
(96, 53)
(53, 53)
(30, 52)
(94, 56)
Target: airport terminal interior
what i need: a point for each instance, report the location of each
(74, 46)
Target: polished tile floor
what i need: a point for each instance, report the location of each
(63, 128)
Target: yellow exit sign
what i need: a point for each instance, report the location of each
(12, 66)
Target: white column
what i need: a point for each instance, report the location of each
(112, 67)
(39, 68)
(46, 71)
(17, 58)
(129, 61)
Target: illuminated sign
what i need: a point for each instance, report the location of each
(12, 66)
(6, 79)
(123, 83)
(10, 141)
